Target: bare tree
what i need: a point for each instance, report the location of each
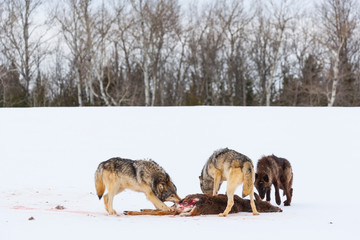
(63, 87)
(139, 7)
(73, 35)
(98, 28)
(123, 56)
(233, 21)
(272, 22)
(22, 44)
(301, 66)
(87, 34)
(178, 69)
(205, 47)
(157, 22)
(148, 52)
(338, 21)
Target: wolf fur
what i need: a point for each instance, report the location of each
(202, 204)
(118, 174)
(272, 170)
(233, 167)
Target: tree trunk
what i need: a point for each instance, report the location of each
(273, 69)
(146, 80)
(79, 91)
(334, 83)
(27, 51)
(154, 90)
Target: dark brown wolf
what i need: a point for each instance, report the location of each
(203, 204)
(118, 174)
(272, 170)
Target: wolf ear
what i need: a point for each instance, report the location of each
(266, 178)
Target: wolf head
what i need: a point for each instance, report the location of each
(262, 184)
(164, 188)
(206, 185)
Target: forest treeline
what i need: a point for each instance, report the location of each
(162, 53)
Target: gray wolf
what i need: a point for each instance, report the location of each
(202, 204)
(272, 170)
(118, 174)
(233, 167)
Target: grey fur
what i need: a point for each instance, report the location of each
(118, 174)
(230, 157)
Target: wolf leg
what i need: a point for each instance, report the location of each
(287, 202)
(288, 186)
(108, 202)
(157, 202)
(232, 184)
(113, 189)
(288, 191)
(217, 178)
(277, 194)
(230, 195)
(268, 195)
(111, 210)
(252, 203)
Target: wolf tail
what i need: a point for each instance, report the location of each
(99, 183)
(249, 178)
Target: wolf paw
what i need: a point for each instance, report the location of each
(112, 212)
(286, 203)
(222, 215)
(167, 209)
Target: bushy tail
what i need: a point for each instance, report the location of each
(249, 178)
(99, 183)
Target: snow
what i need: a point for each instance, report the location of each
(48, 158)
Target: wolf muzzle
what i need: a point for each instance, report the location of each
(262, 193)
(173, 198)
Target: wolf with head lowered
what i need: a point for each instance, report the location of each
(233, 167)
(273, 170)
(118, 174)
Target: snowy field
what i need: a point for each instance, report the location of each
(48, 158)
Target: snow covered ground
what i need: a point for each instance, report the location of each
(48, 158)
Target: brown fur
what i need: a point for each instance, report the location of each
(272, 170)
(202, 204)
